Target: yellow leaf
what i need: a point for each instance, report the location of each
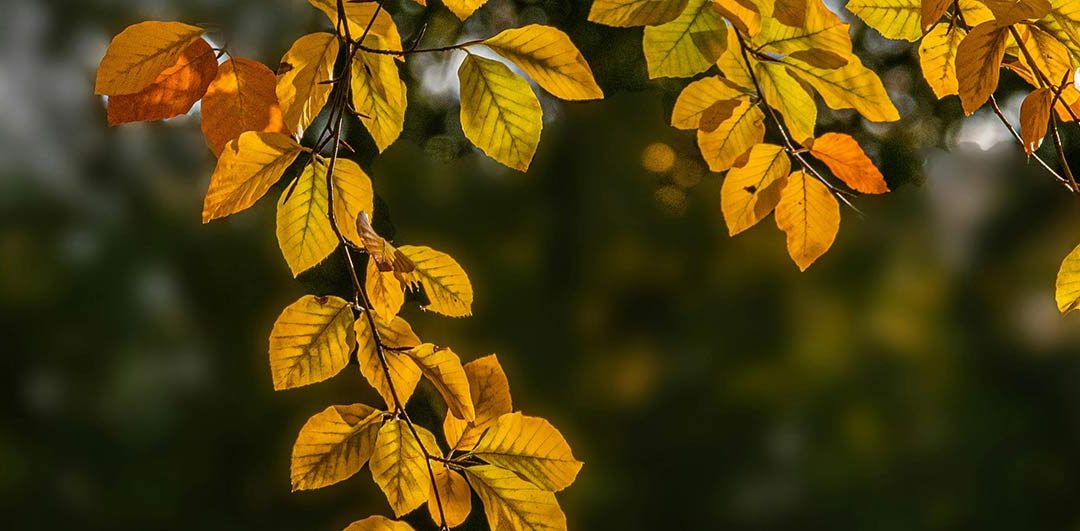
(454, 495)
(894, 19)
(241, 98)
(724, 146)
(1068, 283)
(396, 333)
(399, 465)
(1012, 11)
(463, 9)
(359, 15)
(937, 56)
(304, 232)
(741, 14)
(810, 216)
(378, 523)
(379, 95)
(931, 12)
(978, 64)
(301, 87)
(490, 393)
(550, 58)
(750, 192)
(698, 97)
(499, 112)
(173, 92)
(333, 445)
(513, 503)
(688, 45)
(385, 291)
(732, 64)
(1052, 59)
(311, 341)
(842, 154)
(821, 30)
(788, 96)
(353, 194)
(533, 448)
(852, 86)
(404, 374)
(1034, 118)
(444, 281)
(443, 368)
(247, 169)
(628, 13)
(975, 12)
(137, 55)
(1063, 22)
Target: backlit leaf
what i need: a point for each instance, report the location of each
(931, 12)
(688, 45)
(742, 14)
(379, 95)
(724, 146)
(937, 57)
(810, 216)
(378, 523)
(139, 54)
(463, 9)
(311, 341)
(512, 503)
(490, 393)
(894, 19)
(751, 191)
(302, 89)
(445, 283)
(533, 448)
(358, 15)
(851, 87)
(386, 292)
(788, 96)
(842, 154)
(549, 57)
(1034, 118)
(443, 368)
(241, 98)
(627, 13)
(978, 64)
(304, 232)
(247, 169)
(499, 112)
(1068, 283)
(1011, 11)
(821, 31)
(1051, 58)
(404, 374)
(173, 92)
(333, 445)
(454, 495)
(399, 465)
(698, 97)
(353, 194)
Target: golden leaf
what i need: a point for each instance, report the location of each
(742, 14)
(788, 96)
(139, 54)
(810, 216)
(531, 447)
(311, 341)
(1034, 118)
(359, 15)
(173, 92)
(241, 98)
(386, 292)
(791, 12)
(1067, 292)
(399, 465)
(445, 283)
(490, 393)
(404, 374)
(304, 232)
(443, 368)
(937, 57)
(463, 9)
(628, 13)
(499, 112)
(732, 138)
(852, 86)
(1052, 59)
(385, 256)
(378, 523)
(931, 12)
(821, 30)
(894, 19)
(978, 64)
(1012, 11)
(302, 89)
(842, 154)
(513, 503)
(698, 97)
(353, 194)
(379, 95)
(333, 445)
(549, 57)
(751, 191)
(688, 45)
(454, 495)
(1063, 22)
(247, 169)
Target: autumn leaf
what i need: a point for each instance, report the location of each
(378, 523)
(549, 57)
(531, 447)
(499, 112)
(937, 58)
(378, 94)
(353, 194)
(894, 19)
(359, 15)
(978, 64)
(688, 45)
(463, 9)
(399, 465)
(454, 496)
(445, 283)
(1068, 283)
(725, 145)
(241, 98)
(1034, 118)
(1012, 11)
(1051, 58)
(751, 191)
(333, 445)
(810, 216)
(173, 92)
(791, 12)
(931, 12)
(443, 368)
(788, 96)
(386, 292)
(311, 341)
(698, 97)
(302, 89)
(821, 32)
(852, 86)
(139, 54)
(247, 169)
(490, 392)
(628, 13)
(513, 503)
(846, 159)
(744, 15)
(304, 233)
(403, 372)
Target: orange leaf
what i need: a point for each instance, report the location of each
(1034, 117)
(978, 64)
(174, 91)
(849, 163)
(932, 11)
(243, 97)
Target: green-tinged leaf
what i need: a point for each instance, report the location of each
(789, 97)
(499, 112)
(359, 16)
(688, 45)
(304, 232)
(302, 88)
(894, 19)
(852, 86)
(378, 94)
(698, 97)
(724, 146)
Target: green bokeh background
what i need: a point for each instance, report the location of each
(917, 377)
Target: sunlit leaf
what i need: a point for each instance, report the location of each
(548, 56)
(386, 292)
(463, 9)
(742, 14)
(378, 523)
(445, 283)
(139, 54)
(1051, 58)
(333, 445)
(353, 194)
(931, 12)
(359, 15)
(1011, 11)
(173, 92)
(241, 98)
(499, 112)
(399, 465)
(937, 57)
(490, 393)
(454, 496)
(724, 146)
(247, 169)
(751, 191)
(821, 30)
(304, 232)
(789, 97)
(978, 64)
(443, 368)
(513, 503)
(533, 448)
(302, 89)
(311, 341)
(627, 13)
(378, 94)
(846, 159)
(809, 215)
(403, 372)
(1034, 118)
(698, 97)
(688, 45)
(1068, 283)
(894, 19)
(851, 87)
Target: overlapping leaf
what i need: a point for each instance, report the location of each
(751, 191)
(139, 54)
(241, 98)
(688, 45)
(445, 283)
(978, 64)
(894, 19)
(443, 368)
(513, 503)
(303, 231)
(627, 13)
(549, 57)
(379, 95)
(490, 392)
(302, 89)
(724, 146)
(399, 465)
(403, 372)
(810, 216)
(247, 169)
(173, 92)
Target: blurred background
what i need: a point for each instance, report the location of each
(917, 377)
